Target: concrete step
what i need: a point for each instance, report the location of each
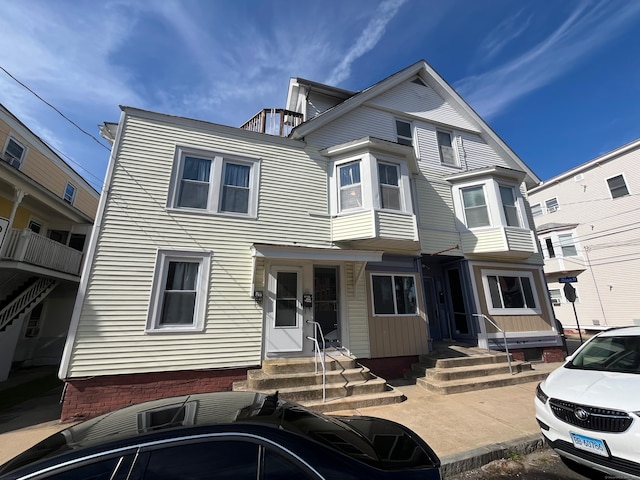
(474, 371)
(463, 361)
(388, 397)
(306, 365)
(260, 380)
(445, 387)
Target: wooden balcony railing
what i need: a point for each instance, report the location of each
(274, 121)
(29, 247)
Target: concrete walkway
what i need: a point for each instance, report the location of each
(466, 430)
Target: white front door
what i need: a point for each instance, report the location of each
(284, 317)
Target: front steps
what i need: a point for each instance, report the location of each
(348, 385)
(455, 369)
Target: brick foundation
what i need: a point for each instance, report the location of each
(90, 397)
(549, 354)
(389, 368)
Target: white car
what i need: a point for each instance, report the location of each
(589, 409)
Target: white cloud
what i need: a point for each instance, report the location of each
(368, 39)
(507, 31)
(587, 28)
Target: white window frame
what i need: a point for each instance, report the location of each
(553, 208)
(510, 311)
(572, 243)
(403, 139)
(70, 199)
(163, 259)
(515, 205)
(481, 186)
(395, 299)
(13, 159)
(626, 186)
(452, 137)
(560, 299)
(341, 187)
(216, 182)
(397, 187)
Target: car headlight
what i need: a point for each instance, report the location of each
(543, 397)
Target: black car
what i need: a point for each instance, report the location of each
(226, 435)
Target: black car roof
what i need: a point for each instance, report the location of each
(178, 416)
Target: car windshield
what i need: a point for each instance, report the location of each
(609, 354)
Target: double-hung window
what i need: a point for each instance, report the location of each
(617, 186)
(14, 153)
(403, 132)
(567, 245)
(394, 295)
(509, 206)
(215, 183)
(445, 147)
(178, 297)
(536, 210)
(510, 292)
(388, 176)
(350, 186)
(474, 202)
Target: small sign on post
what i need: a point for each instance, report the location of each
(570, 294)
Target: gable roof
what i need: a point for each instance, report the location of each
(430, 77)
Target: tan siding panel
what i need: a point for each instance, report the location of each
(353, 226)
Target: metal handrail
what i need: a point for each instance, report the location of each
(504, 336)
(316, 355)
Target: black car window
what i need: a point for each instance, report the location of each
(111, 468)
(278, 467)
(224, 459)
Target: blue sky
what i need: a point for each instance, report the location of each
(559, 81)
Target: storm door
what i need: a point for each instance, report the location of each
(460, 327)
(325, 305)
(284, 311)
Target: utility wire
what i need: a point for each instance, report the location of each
(55, 109)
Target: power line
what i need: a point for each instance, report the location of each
(55, 109)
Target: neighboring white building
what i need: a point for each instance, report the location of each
(392, 217)
(587, 223)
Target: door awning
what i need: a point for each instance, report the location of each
(309, 253)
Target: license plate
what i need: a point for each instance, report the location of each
(589, 444)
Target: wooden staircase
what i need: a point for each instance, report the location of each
(348, 385)
(453, 368)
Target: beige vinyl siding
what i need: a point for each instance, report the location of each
(482, 241)
(357, 309)
(607, 240)
(396, 226)
(437, 227)
(110, 337)
(516, 323)
(353, 226)
(520, 240)
(421, 101)
(395, 336)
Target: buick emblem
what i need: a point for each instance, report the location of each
(581, 414)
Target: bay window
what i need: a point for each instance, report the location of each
(509, 206)
(388, 177)
(350, 186)
(475, 207)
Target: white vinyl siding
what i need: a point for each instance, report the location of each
(110, 337)
(357, 311)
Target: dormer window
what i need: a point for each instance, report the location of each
(350, 186)
(403, 131)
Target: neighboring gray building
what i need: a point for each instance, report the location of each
(587, 223)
